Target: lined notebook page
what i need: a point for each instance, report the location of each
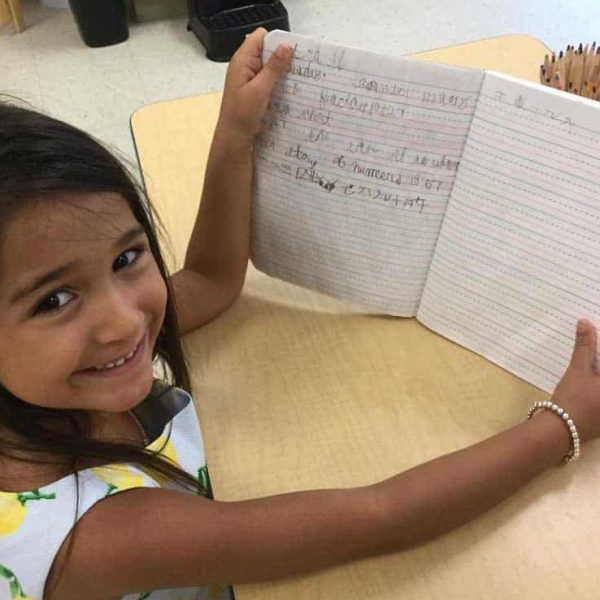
(354, 168)
(518, 259)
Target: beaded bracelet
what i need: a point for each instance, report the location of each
(564, 415)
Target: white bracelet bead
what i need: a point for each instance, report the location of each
(575, 452)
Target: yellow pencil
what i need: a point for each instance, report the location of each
(568, 63)
(577, 71)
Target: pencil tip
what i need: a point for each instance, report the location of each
(580, 49)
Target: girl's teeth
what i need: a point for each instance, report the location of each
(108, 366)
(117, 363)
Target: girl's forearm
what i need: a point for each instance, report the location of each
(220, 243)
(304, 531)
(444, 493)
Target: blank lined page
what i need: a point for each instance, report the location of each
(518, 259)
(354, 168)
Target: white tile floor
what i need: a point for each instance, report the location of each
(97, 89)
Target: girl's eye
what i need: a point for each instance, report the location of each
(134, 250)
(50, 304)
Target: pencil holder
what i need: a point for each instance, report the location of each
(222, 25)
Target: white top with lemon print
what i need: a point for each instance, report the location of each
(34, 524)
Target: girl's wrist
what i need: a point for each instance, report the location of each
(234, 134)
(551, 427)
(231, 146)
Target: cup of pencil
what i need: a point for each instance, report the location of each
(574, 71)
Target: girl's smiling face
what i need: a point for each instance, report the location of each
(110, 297)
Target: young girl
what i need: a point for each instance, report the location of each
(102, 471)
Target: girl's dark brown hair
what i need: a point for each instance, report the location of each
(43, 159)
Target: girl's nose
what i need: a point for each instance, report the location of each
(116, 316)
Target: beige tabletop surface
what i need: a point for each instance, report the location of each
(296, 390)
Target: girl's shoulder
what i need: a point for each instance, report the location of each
(35, 523)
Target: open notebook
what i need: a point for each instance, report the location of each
(464, 197)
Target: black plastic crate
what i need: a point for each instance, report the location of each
(222, 25)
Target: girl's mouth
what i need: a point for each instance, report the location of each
(129, 366)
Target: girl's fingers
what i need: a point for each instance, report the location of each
(252, 46)
(248, 55)
(274, 68)
(584, 352)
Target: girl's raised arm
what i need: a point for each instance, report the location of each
(147, 539)
(219, 247)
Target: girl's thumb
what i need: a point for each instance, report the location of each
(584, 352)
(277, 64)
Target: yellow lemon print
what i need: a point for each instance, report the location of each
(13, 510)
(12, 513)
(166, 448)
(14, 587)
(118, 477)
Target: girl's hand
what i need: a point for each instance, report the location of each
(249, 84)
(578, 392)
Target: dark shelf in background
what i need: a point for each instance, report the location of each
(222, 25)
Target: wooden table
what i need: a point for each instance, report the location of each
(10, 10)
(299, 391)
